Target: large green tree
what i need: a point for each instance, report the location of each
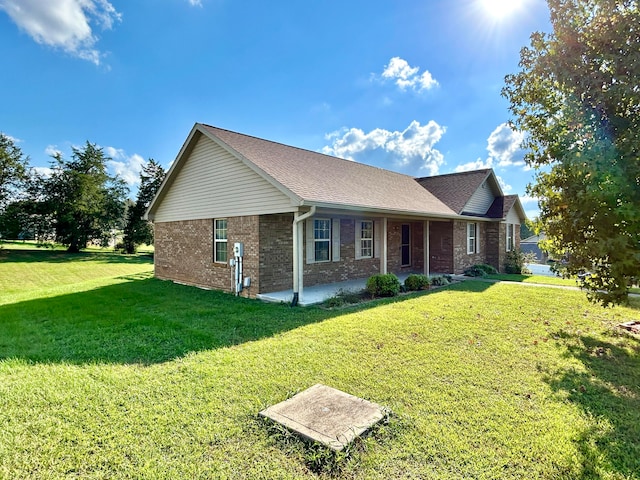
(137, 230)
(577, 97)
(13, 169)
(85, 202)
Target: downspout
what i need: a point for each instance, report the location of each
(425, 235)
(298, 254)
(385, 245)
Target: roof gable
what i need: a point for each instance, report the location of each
(503, 205)
(462, 192)
(323, 180)
(212, 182)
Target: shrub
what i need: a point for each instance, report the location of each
(441, 280)
(516, 260)
(345, 297)
(475, 271)
(383, 285)
(417, 282)
(480, 270)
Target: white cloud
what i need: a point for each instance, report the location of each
(52, 150)
(411, 150)
(127, 167)
(525, 199)
(479, 164)
(504, 150)
(506, 188)
(12, 139)
(42, 171)
(195, 3)
(64, 24)
(407, 77)
(503, 146)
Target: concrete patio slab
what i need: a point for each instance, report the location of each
(319, 293)
(326, 415)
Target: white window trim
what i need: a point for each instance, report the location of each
(334, 240)
(511, 240)
(360, 239)
(323, 240)
(218, 241)
(476, 243)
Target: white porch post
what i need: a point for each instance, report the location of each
(383, 257)
(298, 253)
(425, 235)
(295, 247)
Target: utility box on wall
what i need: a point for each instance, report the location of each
(238, 249)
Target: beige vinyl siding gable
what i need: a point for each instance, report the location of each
(512, 217)
(481, 200)
(214, 183)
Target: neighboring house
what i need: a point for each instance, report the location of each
(304, 218)
(531, 245)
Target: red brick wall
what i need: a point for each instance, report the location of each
(276, 253)
(493, 237)
(394, 247)
(461, 259)
(441, 247)
(184, 253)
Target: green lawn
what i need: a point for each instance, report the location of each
(113, 374)
(537, 279)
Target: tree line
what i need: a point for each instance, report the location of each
(76, 201)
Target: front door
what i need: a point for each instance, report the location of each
(406, 245)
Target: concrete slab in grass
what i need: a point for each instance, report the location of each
(326, 415)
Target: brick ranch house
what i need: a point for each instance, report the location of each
(304, 218)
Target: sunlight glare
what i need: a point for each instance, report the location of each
(500, 9)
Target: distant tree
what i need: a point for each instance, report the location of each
(577, 99)
(137, 230)
(13, 169)
(525, 230)
(84, 201)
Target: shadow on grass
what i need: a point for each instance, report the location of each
(139, 321)
(145, 320)
(58, 256)
(608, 389)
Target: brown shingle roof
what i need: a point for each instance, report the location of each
(325, 180)
(455, 189)
(501, 206)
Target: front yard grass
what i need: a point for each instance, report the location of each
(114, 374)
(537, 279)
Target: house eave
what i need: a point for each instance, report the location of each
(385, 212)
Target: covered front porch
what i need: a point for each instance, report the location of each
(319, 293)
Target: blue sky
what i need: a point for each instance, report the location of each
(412, 86)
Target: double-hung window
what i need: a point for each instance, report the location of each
(510, 236)
(220, 240)
(322, 239)
(472, 238)
(365, 239)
